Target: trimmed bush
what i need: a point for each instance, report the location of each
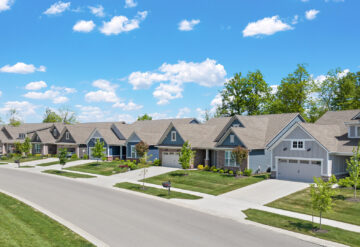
(239, 173)
(74, 156)
(226, 171)
(37, 155)
(212, 168)
(215, 170)
(103, 158)
(200, 167)
(85, 157)
(221, 171)
(231, 172)
(157, 162)
(207, 168)
(247, 172)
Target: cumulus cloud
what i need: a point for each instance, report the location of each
(183, 112)
(55, 94)
(22, 68)
(0, 93)
(158, 115)
(266, 26)
(130, 3)
(24, 108)
(311, 14)
(215, 103)
(105, 94)
(57, 8)
(5, 4)
(274, 89)
(186, 25)
(166, 92)
(35, 85)
(120, 24)
(131, 106)
(96, 114)
(84, 26)
(97, 11)
(295, 20)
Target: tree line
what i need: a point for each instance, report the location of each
(297, 92)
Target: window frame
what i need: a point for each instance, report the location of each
(37, 148)
(232, 138)
(133, 151)
(297, 142)
(173, 136)
(229, 160)
(67, 135)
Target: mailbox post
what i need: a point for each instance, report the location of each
(167, 185)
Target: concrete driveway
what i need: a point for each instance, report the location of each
(266, 191)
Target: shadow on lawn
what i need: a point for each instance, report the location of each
(301, 226)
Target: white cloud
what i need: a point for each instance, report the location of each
(343, 73)
(200, 113)
(55, 94)
(0, 93)
(207, 73)
(97, 11)
(166, 92)
(105, 94)
(24, 108)
(295, 20)
(96, 114)
(57, 8)
(21, 68)
(131, 106)
(5, 4)
(266, 26)
(186, 25)
(311, 14)
(120, 24)
(274, 89)
(158, 115)
(304, 1)
(130, 3)
(183, 112)
(215, 103)
(35, 85)
(84, 26)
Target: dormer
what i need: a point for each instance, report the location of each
(21, 136)
(354, 130)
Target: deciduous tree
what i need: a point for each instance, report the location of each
(186, 155)
(51, 116)
(144, 117)
(98, 150)
(354, 168)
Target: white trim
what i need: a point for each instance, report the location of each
(308, 140)
(67, 135)
(173, 135)
(297, 149)
(232, 138)
(341, 154)
(298, 158)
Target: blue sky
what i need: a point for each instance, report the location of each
(115, 60)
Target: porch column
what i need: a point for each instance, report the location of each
(44, 150)
(4, 149)
(77, 151)
(121, 153)
(207, 157)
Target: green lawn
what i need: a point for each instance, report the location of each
(21, 225)
(68, 174)
(304, 227)
(3, 163)
(102, 168)
(342, 210)
(26, 159)
(155, 191)
(26, 166)
(204, 181)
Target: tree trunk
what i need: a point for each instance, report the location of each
(320, 220)
(355, 190)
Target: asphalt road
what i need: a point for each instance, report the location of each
(122, 219)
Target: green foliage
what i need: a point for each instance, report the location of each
(321, 193)
(51, 117)
(221, 171)
(354, 168)
(62, 155)
(231, 172)
(247, 172)
(141, 148)
(250, 94)
(212, 168)
(67, 115)
(200, 167)
(86, 157)
(215, 170)
(186, 155)
(346, 182)
(239, 173)
(131, 164)
(98, 151)
(14, 119)
(144, 117)
(239, 154)
(207, 168)
(74, 156)
(26, 146)
(145, 158)
(157, 162)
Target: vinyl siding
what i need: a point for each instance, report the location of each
(259, 160)
(154, 153)
(339, 164)
(298, 133)
(128, 148)
(227, 143)
(63, 138)
(167, 141)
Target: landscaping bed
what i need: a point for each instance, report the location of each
(68, 174)
(205, 181)
(104, 168)
(304, 227)
(342, 210)
(21, 225)
(155, 191)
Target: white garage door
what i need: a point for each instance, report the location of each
(299, 170)
(170, 159)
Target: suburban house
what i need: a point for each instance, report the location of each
(44, 140)
(317, 150)
(214, 140)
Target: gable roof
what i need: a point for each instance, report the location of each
(339, 117)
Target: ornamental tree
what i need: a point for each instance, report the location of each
(62, 157)
(186, 155)
(354, 168)
(239, 154)
(98, 152)
(141, 148)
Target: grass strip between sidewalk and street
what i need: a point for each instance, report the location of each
(304, 227)
(68, 174)
(156, 191)
(21, 225)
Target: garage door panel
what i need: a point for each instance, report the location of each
(170, 159)
(299, 170)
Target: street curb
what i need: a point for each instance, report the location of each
(60, 220)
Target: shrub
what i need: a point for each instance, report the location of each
(215, 170)
(117, 159)
(221, 171)
(157, 162)
(85, 157)
(200, 167)
(247, 172)
(4, 158)
(226, 171)
(212, 168)
(231, 172)
(239, 173)
(74, 156)
(345, 182)
(103, 158)
(131, 164)
(37, 155)
(207, 168)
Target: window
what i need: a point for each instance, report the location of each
(297, 145)
(318, 163)
(236, 125)
(21, 136)
(67, 136)
(229, 159)
(37, 138)
(232, 138)
(37, 148)
(133, 151)
(173, 136)
(55, 132)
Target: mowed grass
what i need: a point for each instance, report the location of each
(342, 209)
(155, 191)
(304, 227)
(102, 168)
(204, 181)
(21, 225)
(68, 174)
(26, 159)
(26, 166)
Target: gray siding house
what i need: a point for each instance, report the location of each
(317, 150)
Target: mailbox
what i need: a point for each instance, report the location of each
(167, 185)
